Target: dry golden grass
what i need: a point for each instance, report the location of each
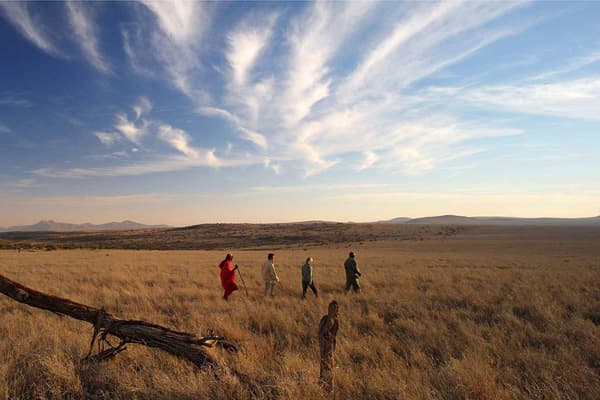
(458, 318)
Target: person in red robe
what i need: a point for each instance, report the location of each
(228, 276)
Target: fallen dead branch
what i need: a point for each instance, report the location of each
(181, 344)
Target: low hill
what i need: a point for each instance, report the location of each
(462, 220)
(228, 236)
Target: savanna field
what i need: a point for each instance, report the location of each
(481, 314)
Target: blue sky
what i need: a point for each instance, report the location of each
(184, 112)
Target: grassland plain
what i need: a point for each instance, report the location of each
(478, 316)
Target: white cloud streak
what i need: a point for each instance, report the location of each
(255, 137)
(135, 131)
(132, 130)
(370, 158)
(129, 129)
(178, 139)
(401, 34)
(285, 90)
(314, 40)
(321, 119)
(176, 43)
(579, 98)
(142, 107)
(107, 138)
(245, 45)
(84, 28)
(305, 110)
(157, 165)
(131, 39)
(570, 66)
(177, 18)
(15, 100)
(17, 12)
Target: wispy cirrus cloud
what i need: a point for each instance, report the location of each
(107, 138)
(578, 98)
(176, 43)
(131, 38)
(142, 107)
(132, 130)
(85, 30)
(318, 116)
(281, 86)
(369, 158)
(255, 137)
(427, 39)
(155, 165)
(573, 65)
(314, 40)
(144, 130)
(32, 28)
(14, 99)
(417, 22)
(178, 139)
(124, 128)
(245, 45)
(35, 28)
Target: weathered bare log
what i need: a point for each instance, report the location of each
(180, 344)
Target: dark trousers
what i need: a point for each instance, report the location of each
(352, 284)
(306, 285)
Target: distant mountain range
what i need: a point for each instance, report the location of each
(53, 226)
(461, 220)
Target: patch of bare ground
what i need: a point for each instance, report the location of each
(483, 314)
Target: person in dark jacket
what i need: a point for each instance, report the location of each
(307, 278)
(352, 273)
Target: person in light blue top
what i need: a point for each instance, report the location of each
(307, 278)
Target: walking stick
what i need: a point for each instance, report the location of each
(242, 278)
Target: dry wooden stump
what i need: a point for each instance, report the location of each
(328, 328)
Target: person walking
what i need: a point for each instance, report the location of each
(352, 273)
(307, 278)
(228, 276)
(270, 275)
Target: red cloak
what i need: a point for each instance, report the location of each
(227, 278)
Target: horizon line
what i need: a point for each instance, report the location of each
(50, 220)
